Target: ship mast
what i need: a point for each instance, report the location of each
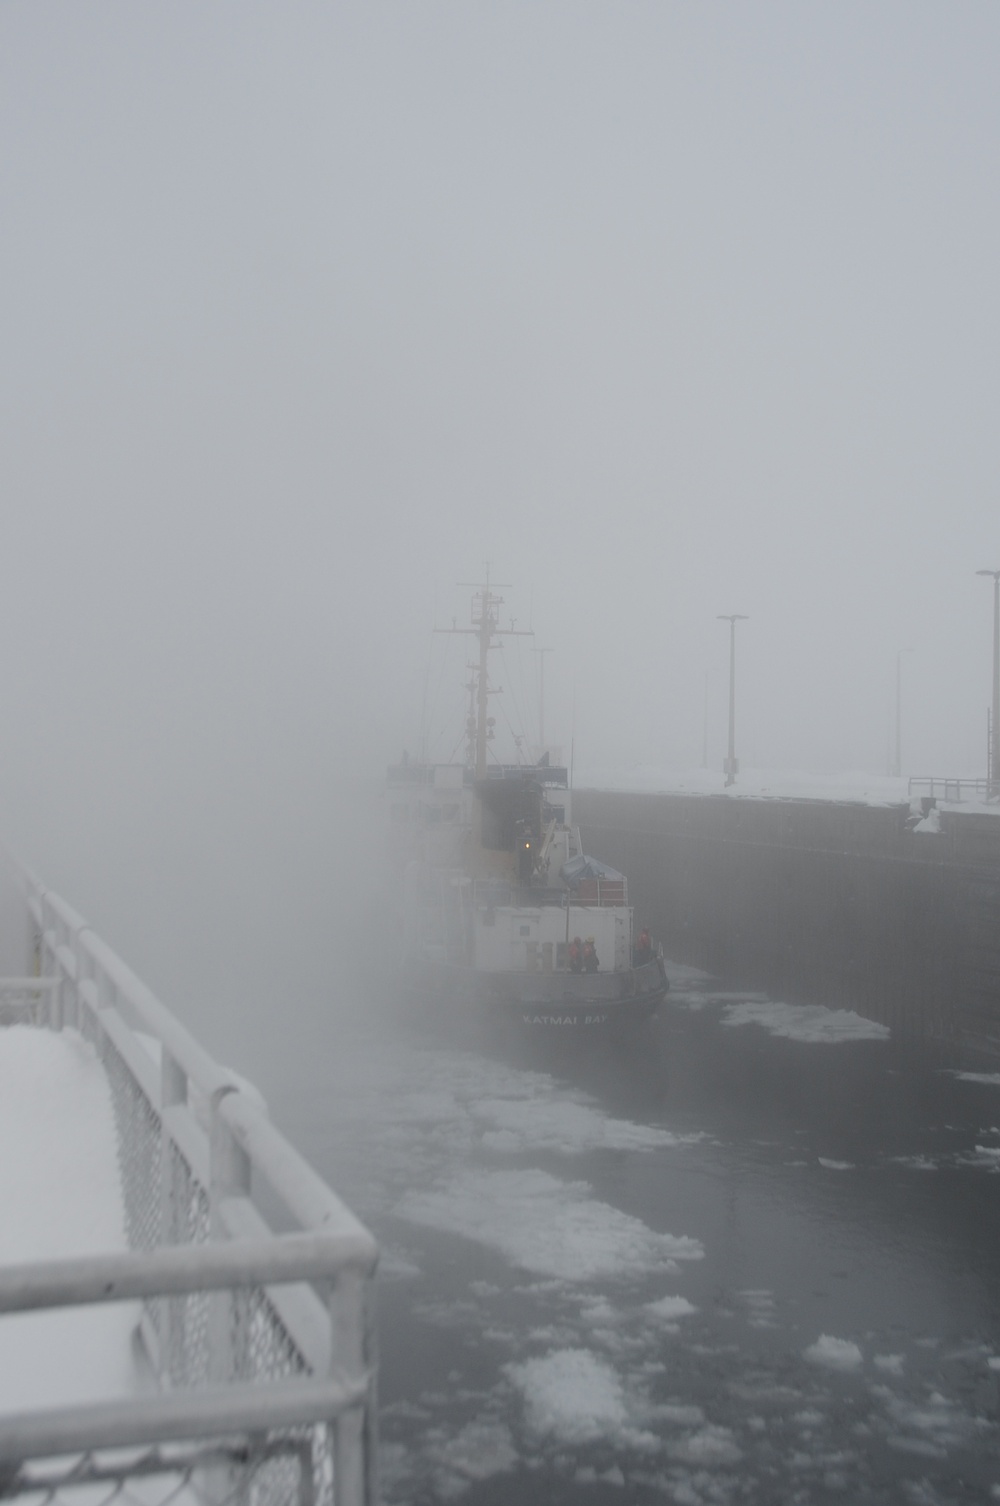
(485, 627)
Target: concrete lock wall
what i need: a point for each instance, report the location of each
(836, 904)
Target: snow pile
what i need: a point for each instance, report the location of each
(834, 1354)
(806, 1022)
(546, 1226)
(60, 1197)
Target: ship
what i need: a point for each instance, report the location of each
(501, 912)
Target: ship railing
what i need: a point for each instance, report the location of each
(936, 787)
(262, 1343)
(602, 893)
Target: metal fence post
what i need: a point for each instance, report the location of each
(170, 1317)
(56, 1008)
(351, 1466)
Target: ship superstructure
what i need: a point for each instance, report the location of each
(500, 906)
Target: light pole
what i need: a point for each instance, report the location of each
(993, 772)
(730, 767)
(541, 652)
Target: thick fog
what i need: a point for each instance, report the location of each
(309, 311)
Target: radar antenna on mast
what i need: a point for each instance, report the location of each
(484, 619)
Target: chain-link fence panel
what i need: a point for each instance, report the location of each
(138, 1128)
(288, 1468)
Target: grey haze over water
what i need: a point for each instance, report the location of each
(666, 311)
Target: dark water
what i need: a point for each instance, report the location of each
(706, 1264)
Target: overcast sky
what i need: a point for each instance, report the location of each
(665, 310)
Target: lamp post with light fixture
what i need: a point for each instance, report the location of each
(993, 773)
(731, 767)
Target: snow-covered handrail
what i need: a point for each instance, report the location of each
(228, 1303)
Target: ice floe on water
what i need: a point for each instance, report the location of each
(583, 1359)
(834, 1354)
(759, 1302)
(436, 1107)
(987, 1156)
(570, 1394)
(560, 1124)
(546, 1226)
(806, 1022)
(928, 1428)
(709, 1446)
(481, 1449)
(669, 1309)
(452, 1458)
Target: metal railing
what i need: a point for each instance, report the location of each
(955, 790)
(262, 1343)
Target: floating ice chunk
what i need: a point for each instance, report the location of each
(482, 1449)
(907, 1444)
(806, 1022)
(546, 1226)
(680, 1415)
(760, 1306)
(565, 1126)
(670, 1308)
(835, 1165)
(836, 1354)
(571, 1395)
(710, 1446)
(599, 1311)
(992, 1079)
